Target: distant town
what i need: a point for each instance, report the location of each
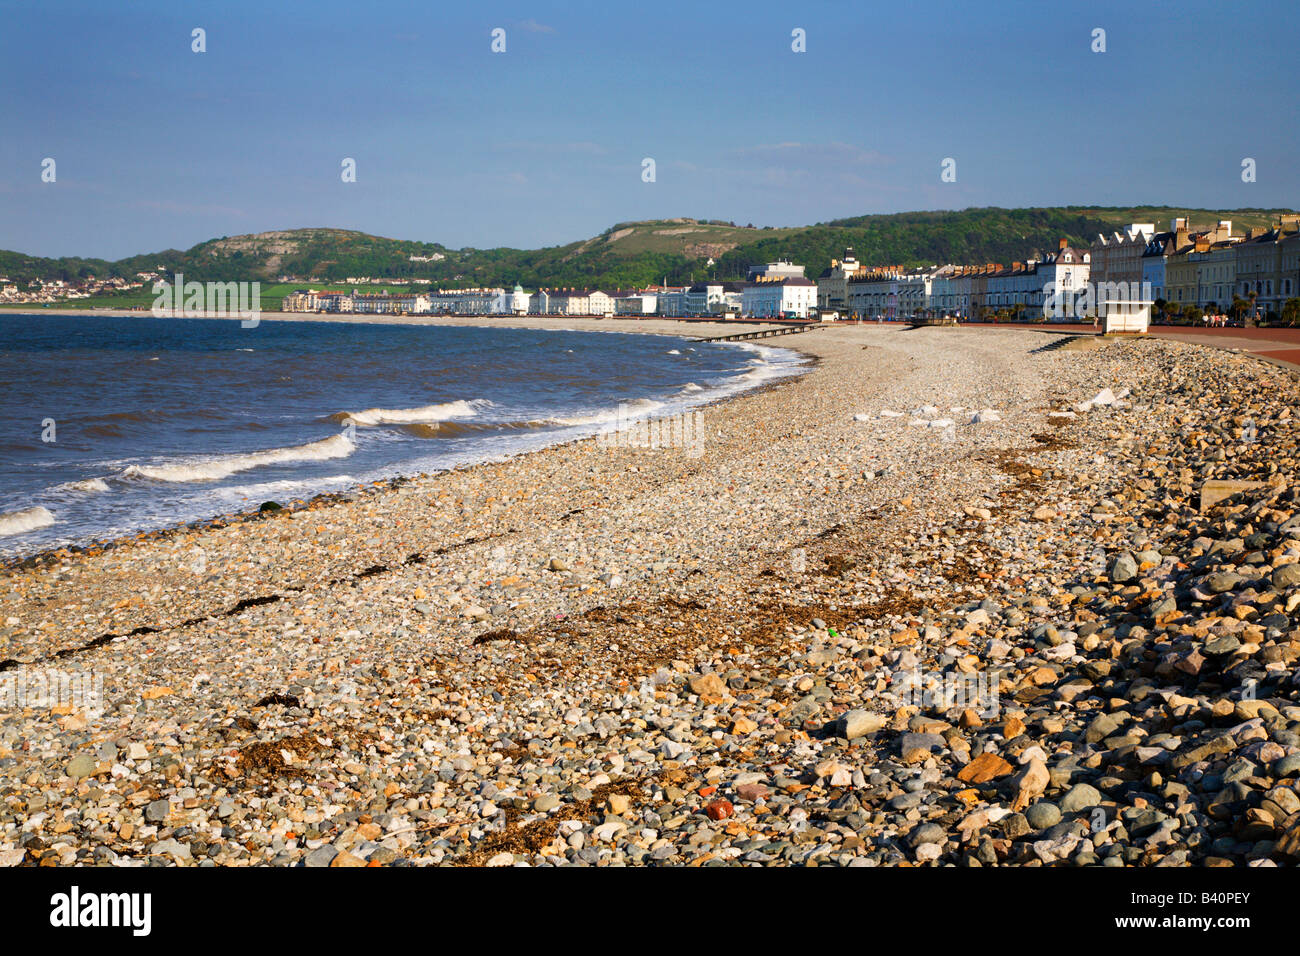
(51, 291)
(1179, 273)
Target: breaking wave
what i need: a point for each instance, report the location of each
(404, 416)
(87, 486)
(634, 409)
(28, 519)
(210, 469)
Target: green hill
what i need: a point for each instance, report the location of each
(637, 253)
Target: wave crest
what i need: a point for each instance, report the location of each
(210, 469)
(86, 486)
(632, 409)
(426, 414)
(28, 519)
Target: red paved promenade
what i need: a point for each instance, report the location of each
(1279, 345)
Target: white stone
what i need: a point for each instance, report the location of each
(607, 831)
(1032, 753)
(928, 851)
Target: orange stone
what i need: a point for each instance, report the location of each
(916, 755)
(984, 768)
(720, 809)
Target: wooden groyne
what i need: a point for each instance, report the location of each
(762, 333)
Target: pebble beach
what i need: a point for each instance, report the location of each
(974, 597)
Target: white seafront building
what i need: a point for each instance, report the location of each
(441, 302)
(518, 301)
(713, 298)
(778, 296)
(571, 302)
(778, 289)
(470, 302)
(636, 303)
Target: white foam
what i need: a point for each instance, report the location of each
(674, 352)
(633, 409)
(426, 414)
(759, 373)
(765, 350)
(28, 519)
(285, 487)
(87, 486)
(210, 469)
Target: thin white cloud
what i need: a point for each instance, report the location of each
(532, 26)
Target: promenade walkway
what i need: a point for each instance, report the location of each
(1281, 346)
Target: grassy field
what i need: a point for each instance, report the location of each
(678, 237)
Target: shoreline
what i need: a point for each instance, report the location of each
(45, 556)
(594, 656)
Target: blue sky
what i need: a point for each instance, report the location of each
(157, 146)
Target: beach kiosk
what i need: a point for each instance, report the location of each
(1127, 316)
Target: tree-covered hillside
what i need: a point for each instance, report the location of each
(639, 253)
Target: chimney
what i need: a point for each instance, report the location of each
(1060, 247)
(1178, 225)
